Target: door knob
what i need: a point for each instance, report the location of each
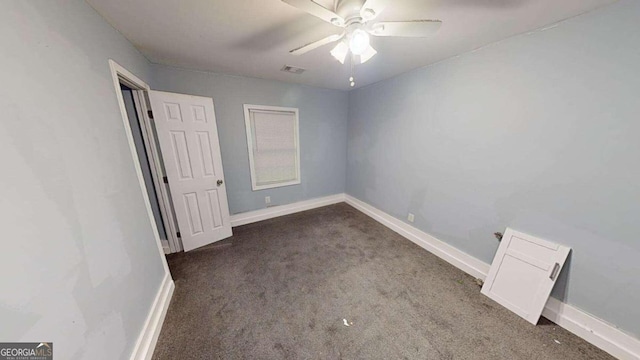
(220, 182)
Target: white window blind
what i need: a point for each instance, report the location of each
(274, 154)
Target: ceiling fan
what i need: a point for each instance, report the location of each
(357, 18)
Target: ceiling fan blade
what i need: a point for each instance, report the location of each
(414, 28)
(316, 44)
(372, 8)
(317, 11)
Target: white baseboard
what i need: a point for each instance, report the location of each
(149, 335)
(597, 332)
(281, 210)
(448, 253)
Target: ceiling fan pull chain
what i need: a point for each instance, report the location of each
(352, 81)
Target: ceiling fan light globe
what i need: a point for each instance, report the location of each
(340, 52)
(367, 54)
(359, 42)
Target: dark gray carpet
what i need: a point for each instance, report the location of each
(280, 289)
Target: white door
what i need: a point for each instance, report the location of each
(188, 138)
(523, 273)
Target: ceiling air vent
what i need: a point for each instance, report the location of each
(293, 69)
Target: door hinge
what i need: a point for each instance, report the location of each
(150, 113)
(178, 234)
(165, 179)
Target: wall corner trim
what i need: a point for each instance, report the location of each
(595, 331)
(281, 210)
(148, 337)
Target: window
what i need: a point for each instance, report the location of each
(274, 149)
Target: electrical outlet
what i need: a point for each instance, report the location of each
(267, 200)
(411, 217)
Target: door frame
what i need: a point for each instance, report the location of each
(157, 174)
(118, 74)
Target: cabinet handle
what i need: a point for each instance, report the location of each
(554, 271)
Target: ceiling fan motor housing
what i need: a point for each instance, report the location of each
(349, 10)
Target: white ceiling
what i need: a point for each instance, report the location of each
(253, 37)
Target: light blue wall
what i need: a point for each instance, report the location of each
(80, 265)
(323, 132)
(540, 132)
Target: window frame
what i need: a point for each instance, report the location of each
(248, 108)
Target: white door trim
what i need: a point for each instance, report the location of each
(119, 73)
(150, 142)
